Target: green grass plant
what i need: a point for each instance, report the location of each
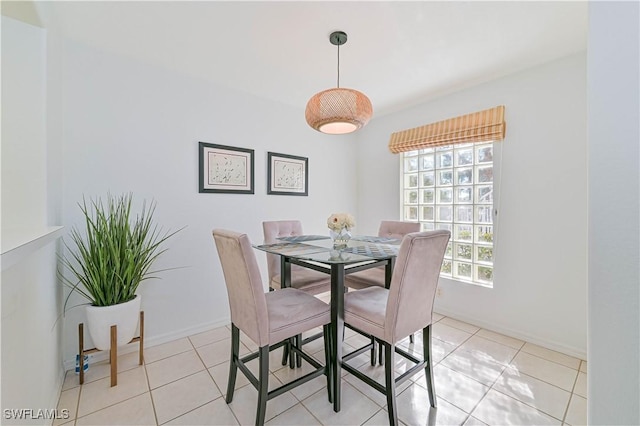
(107, 264)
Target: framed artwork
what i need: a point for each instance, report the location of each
(287, 174)
(225, 169)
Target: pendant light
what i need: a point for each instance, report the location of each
(340, 110)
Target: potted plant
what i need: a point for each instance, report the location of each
(107, 264)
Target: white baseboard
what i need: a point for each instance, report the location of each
(537, 340)
(150, 341)
(189, 331)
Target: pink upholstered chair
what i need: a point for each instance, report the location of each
(375, 276)
(267, 319)
(392, 314)
(304, 279)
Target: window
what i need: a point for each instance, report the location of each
(451, 187)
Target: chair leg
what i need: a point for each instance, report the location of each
(233, 365)
(390, 383)
(428, 369)
(380, 349)
(298, 340)
(411, 338)
(263, 384)
(292, 354)
(285, 353)
(373, 351)
(327, 359)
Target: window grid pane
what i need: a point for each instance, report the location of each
(451, 187)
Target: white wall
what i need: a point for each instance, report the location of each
(23, 125)
(614, 213)
(540, 274)
(31, 299)
(133, 127)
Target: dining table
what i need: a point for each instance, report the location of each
(319, 253)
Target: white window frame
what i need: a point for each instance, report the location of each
(447, 206)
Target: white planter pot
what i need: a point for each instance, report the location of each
(124, 315)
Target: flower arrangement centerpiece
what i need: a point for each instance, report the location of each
(340, 225)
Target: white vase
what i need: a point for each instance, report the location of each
(124, 315)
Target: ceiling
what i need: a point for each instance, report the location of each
(398, 53)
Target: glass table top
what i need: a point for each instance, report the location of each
(320, 248)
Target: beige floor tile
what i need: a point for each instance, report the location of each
(101, 369)
(210, 336)
(494, 351)
(581, 385)
(218, 352)
(547, 371)
(472, 421)
(356, 340)
(456, 388)
(376, 373)
(248, 343)
(577, 412)
(245, 403)
(439, 349)
(71, 380)
(480, 367)
(314, 345)
(181, 396)
(97, 395)
(550, 355)
(381, 418)
(435, 317)
(449, 334)
(297, 415)
(414, 409)
(536, 393)
(302, 392)
(355, 408)
(319, 356)
(460, 325)
(286, 375)
(220, 374)
(534, 389)
(69, 402)
(353, 343)
(213, 413)
(499, 409)
(501, 338)
(166, 350)
(135, 411)
(173, 368)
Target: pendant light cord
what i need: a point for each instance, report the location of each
(338, 66)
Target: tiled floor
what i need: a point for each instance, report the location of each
(481, 378)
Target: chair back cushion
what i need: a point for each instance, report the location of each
(414, 283)
(244, 285)
(397, 229)
(276, 229)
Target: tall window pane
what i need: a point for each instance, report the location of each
(451, 187)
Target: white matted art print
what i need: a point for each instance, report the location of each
(287, 174)
(225, 169)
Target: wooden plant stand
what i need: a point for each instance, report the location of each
(113, 350)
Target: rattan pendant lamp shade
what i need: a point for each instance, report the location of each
(340, 110)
